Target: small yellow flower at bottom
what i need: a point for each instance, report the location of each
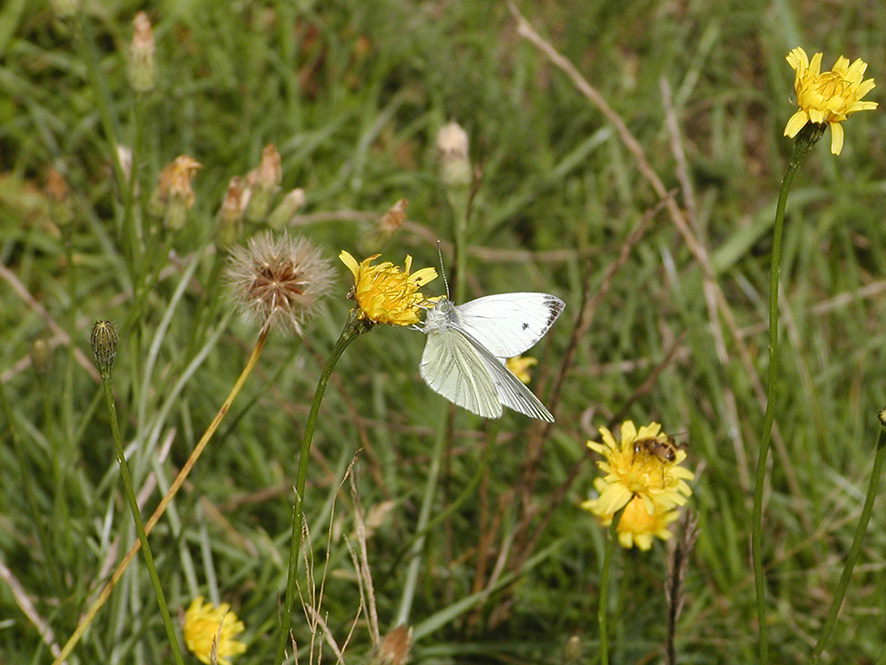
(207, 625)
(631, 471)
(635, 525)
(386, 293)
(827, 97)
(519, 367)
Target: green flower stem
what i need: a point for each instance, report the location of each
(161, 507)
(807, 137)
(603, 599)
(855, 549)
(136, 515)
(354, 327)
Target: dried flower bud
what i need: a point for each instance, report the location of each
(57, 193)
(173, 196)
(393, 648)
(286, 209)
(230, 215)
(142, 70)
(262, 182)
(278, 278)
(104, 345)
(455, 164)
(376, 235)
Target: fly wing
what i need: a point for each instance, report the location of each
(508, 323)
(453, 366)
(510, 390)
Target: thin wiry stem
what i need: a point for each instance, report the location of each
(855, 549)
(354, 327)
(137, 518)
(805, 140)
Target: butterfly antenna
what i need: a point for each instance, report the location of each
(442, 271)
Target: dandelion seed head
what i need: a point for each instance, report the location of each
(278, 278)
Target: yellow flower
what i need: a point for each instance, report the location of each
(827, 97)
(208, 627)
(635, 526)
(386, 293)
(519, 367)
(634, 468)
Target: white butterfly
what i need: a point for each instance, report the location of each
(468, 344)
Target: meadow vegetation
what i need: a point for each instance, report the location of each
(470, 531)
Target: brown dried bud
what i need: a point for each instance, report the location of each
(262, 182)
(173, 196)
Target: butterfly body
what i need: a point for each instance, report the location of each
(468, 344)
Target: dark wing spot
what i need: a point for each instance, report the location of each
(525, 326)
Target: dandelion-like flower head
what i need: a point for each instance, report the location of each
(636, 526)
(827, 97)
(278, 278)
(385, 293)
(208, 627)
(633, 472)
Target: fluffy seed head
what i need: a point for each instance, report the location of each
(278, 278)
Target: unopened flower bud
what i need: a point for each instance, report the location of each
(142, 70)
(41, 355)
(173, 196)
(231, 214)
(262, 182)
(455, 164)
(104, 345)
(286, 209)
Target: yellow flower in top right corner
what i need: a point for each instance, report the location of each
(827, 97)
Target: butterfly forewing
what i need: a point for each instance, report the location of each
(507, 324)
(452, 366)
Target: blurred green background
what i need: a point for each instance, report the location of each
(352, 94)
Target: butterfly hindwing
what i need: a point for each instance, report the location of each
(507, 324)
(453, 367)
(510, 390)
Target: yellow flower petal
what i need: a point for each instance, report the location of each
(385, 293)
(836, 138)
(206, 626)
(827, 97)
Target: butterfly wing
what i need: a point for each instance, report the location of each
(453, 366)
(508, 323)
(510, 390)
